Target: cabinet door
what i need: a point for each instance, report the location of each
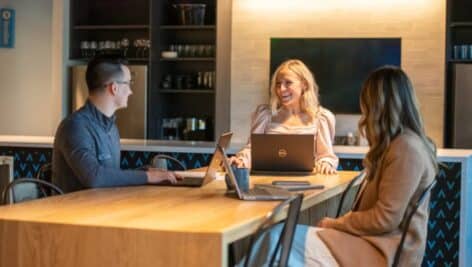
(462, 135)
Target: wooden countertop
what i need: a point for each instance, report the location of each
(147, 212)
(205, 209)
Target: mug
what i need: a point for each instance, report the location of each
(242, 178)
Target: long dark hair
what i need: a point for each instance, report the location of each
(389, 106)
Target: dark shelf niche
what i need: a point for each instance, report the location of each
(460, 60)
(189, 59)
(111, 27)
(133, 59)
(188, 27)
(186, 91)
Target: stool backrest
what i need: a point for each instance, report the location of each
(23, 189)
(409, 216)
(257, 254)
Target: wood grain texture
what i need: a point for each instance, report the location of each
(138, 226)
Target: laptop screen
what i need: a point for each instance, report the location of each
(282, 152)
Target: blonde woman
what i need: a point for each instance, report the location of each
(294, 109)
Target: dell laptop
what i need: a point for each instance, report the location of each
(261, 192)
(197, 179)
(282, 153)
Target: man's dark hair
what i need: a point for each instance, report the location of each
(102, 70)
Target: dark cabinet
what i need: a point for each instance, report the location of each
(178, 41)
(107, 26)
(458, 57)
(462, 130)
(184, 64)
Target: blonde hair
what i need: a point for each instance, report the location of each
(309, 103)
(389, 106)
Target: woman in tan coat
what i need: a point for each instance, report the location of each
(400, 164)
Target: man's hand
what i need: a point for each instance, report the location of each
(156, 176)
(324, 168)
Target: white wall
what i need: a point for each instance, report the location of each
(30, 102)
(420, 24)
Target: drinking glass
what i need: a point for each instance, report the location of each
(125, 45)
(84, 47)
(93, 48)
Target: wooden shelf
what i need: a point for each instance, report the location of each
(189, 59)
(133, 59)
(460, 60)
(461, 24)
(187, 91)
(137, 59)
(111, 27)
(188, 27)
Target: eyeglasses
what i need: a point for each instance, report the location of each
(130, 82)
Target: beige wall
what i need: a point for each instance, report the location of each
(420, 24)
(29, 98)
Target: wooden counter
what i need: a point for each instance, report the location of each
(138, 226)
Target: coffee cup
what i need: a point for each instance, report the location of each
(242, 178)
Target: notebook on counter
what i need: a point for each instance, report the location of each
(290, 154)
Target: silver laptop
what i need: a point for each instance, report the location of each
(261, 192)
(197, 179)
(286, 153)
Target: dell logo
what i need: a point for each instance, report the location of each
(282, 153)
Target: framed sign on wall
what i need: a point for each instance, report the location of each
(7, 28)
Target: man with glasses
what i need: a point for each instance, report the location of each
(86, 150)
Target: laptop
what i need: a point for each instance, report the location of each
(260, 192)
(282, 153)
(198, 179)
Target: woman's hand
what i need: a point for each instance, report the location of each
(326, 222)
(238, 162)
(324, 168)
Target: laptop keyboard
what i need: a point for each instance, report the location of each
(258, 191)
(190, 181)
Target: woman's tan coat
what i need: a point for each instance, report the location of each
(369, 236)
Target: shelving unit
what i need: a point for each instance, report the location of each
(156, 20)
(458, 33)
(191, 101)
